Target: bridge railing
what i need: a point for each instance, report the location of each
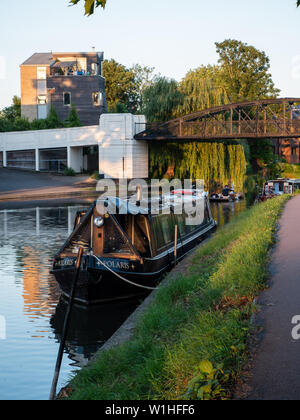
(212, 128)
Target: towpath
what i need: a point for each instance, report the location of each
(274, 373)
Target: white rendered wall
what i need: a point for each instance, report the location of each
(120, 156)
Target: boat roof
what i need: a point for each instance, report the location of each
(154, 205)
(294, 180)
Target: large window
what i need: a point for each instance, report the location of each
(41, 73)
(67, 98)
(94, 68)
(42, 100)
(41, 87)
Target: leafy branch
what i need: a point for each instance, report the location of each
(90, 5)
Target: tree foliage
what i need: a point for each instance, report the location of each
(162, 99)
(244, 71)
(242, 74)
(217, 163)
(12, 112)
(143, 77)
(11, 120)
(90, 5)
(73, 120)
(119, 83)
(125, 86)
(202, 88)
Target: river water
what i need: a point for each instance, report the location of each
(32, 311)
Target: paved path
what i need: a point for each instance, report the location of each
(24, 185)
(275, 374)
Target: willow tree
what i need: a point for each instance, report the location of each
(202, 88)
(217, 163)
(161, 99)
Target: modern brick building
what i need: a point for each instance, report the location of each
(63, 80)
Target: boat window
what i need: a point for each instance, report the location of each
(141, 241)
(79, 239)
(180, 221)
(115, 242)
(136, 230)
(167, 228)
(158, 233)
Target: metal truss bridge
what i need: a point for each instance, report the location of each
(263, 119)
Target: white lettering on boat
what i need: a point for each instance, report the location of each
(116, 264)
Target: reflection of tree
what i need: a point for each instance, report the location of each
(34, 235)
(40, 291)
(224, 213)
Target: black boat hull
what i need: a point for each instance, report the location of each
(96, 284)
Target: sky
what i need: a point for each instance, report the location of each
(173, 36)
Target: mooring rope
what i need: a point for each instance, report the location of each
(120, 277)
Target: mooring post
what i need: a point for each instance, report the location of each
(65, 328)
(175, 245)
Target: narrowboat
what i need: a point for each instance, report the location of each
(220, 198)
(127, 252)
(281, 186)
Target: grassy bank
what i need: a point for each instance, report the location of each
(200, 316)
(290, 171)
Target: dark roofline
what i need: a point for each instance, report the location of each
(39, 59)
(83, 54)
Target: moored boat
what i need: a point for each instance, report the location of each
(281, 186)
(220, 198)
(127, 253)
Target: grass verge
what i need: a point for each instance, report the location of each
(198, 319)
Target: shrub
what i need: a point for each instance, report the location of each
(69, 172)
(73, 120)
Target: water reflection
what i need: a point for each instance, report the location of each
(90, 327)
(224, 213)
(29, 301)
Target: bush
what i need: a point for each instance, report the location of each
(69, 172)
(73, 120)
(95, 175)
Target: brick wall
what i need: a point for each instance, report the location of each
(29, 92)
(81, 89)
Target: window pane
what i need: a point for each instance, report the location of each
(41, 87)
(67, 98)
(94, 67)
(166, 228)
(96, 98)
(180, 220)
(159, 238)
(42, 99)
(41, 73)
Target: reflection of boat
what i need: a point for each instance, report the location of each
(220, 198)
(90, 328)
(125, 253)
